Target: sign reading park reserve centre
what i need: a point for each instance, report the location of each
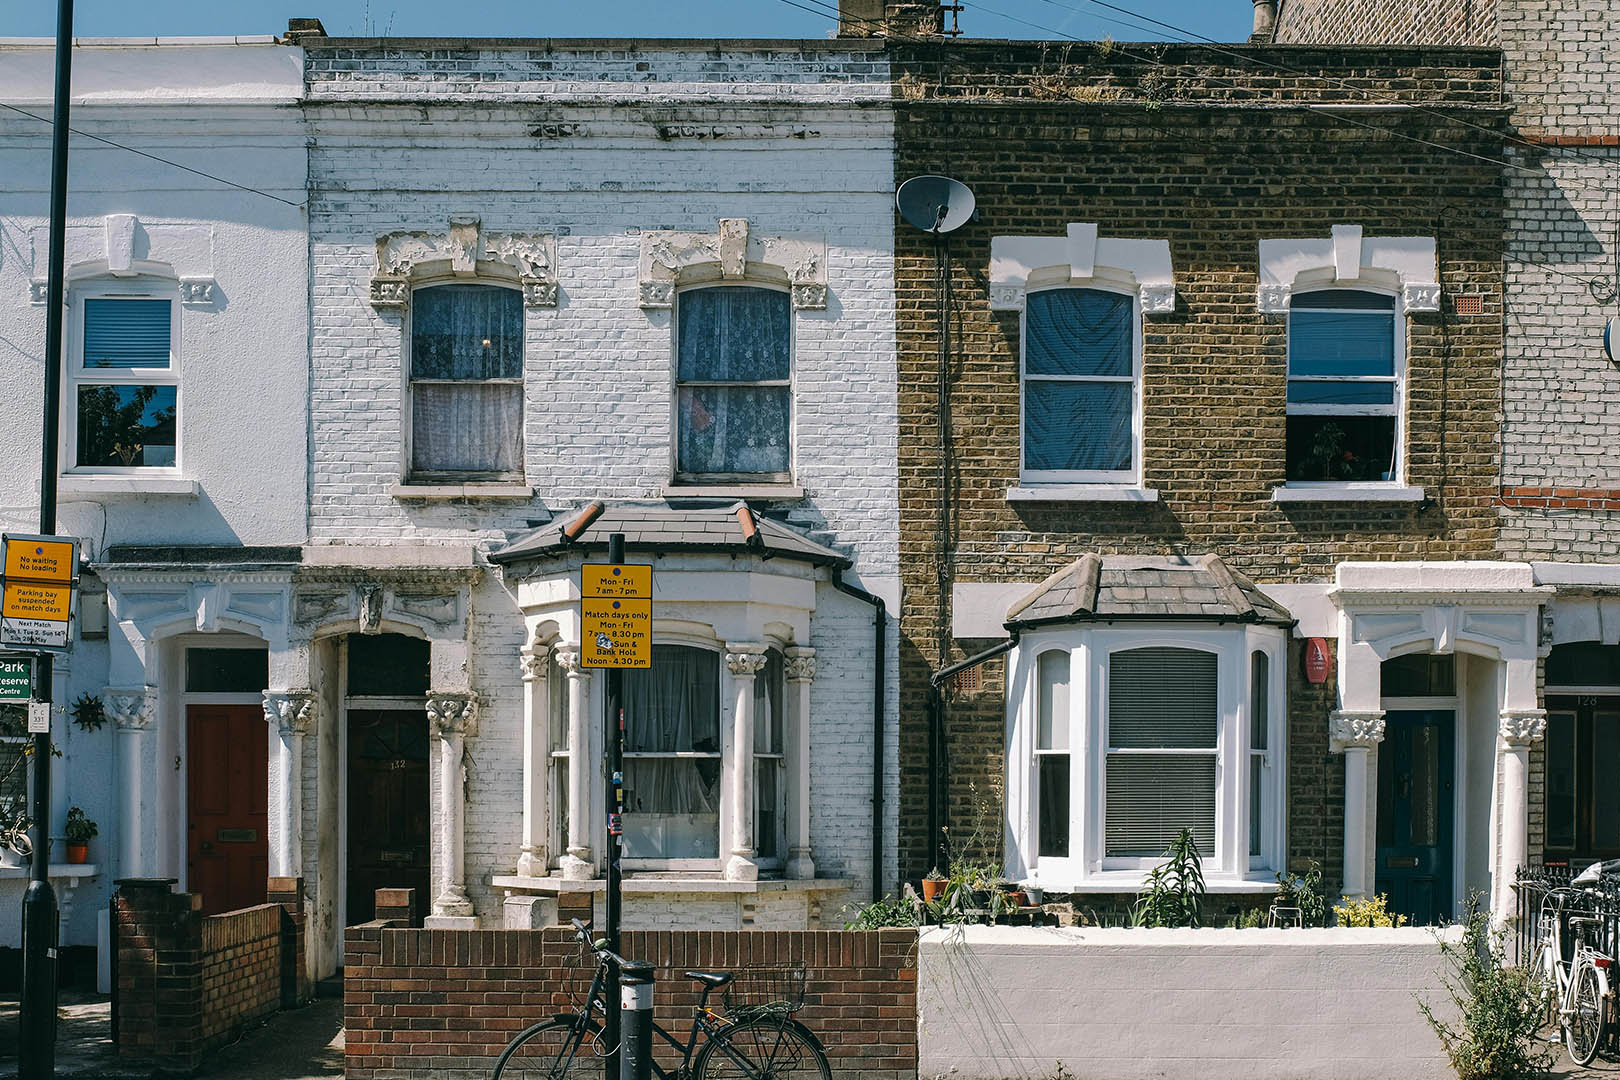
(615, 614)
(36, 591)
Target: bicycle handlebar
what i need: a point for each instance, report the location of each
(583, 929)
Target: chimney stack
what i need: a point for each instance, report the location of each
(890, 18)
(860, 18)
(1265, 22)
(299, 29)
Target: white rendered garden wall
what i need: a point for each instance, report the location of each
(1119, 1004)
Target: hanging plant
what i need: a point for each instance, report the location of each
(88, 712)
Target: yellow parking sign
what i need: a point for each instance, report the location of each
(615, 611)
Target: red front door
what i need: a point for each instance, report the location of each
(227, 770)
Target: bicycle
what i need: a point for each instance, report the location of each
(14, 826)
(756, 1039)
(1578, 990)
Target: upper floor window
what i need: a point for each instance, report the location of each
(1080, 386)
(733, 385)
(124, 385)
(466, 396)
(1344, 388)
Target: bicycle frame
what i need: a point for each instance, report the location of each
(1559, 972)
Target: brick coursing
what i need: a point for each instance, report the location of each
(1394, 22)
(1207, 153)
(188, 983)
(442, 1004)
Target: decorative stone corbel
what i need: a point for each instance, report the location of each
(39, 292)
(1354, 730)
(371, 607)
(669, 257)
(533, 256)
(452, 712)
(197, 292)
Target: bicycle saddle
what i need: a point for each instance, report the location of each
(711, 978)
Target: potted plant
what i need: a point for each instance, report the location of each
(933, 884)
(79, 831)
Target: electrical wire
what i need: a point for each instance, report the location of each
(162, 160)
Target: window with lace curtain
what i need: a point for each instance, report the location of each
(1080, 387)
(466, 392)
(733, 385)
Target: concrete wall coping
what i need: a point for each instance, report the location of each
(1268, 940)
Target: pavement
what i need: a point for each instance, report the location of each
(304, 1044)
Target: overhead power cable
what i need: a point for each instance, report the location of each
(154, 157)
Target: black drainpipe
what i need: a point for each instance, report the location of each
(880, 629)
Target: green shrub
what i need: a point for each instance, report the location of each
(1305, 893)
(1175, 888)
(1500, 1007)
(883, 913)
(1369, 911)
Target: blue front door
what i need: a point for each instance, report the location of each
(1415, 800)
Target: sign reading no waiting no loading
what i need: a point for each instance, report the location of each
(36, 596)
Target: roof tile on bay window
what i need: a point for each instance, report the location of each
(1100, 588)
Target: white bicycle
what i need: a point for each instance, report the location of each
(1579, 992)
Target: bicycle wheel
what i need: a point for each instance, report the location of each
(1583, 1027)
(766, 1049)
(547, 1051)
(18, 841)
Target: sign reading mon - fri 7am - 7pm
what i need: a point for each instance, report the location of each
(615, 613)
(36, 595)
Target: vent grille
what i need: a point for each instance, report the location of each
(1470, 305)
(966, 682)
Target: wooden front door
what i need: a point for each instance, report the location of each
(388, 807)
(227, 774)
(1415, 800)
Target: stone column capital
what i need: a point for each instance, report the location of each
(569, 659)
(800, 665)
(534, 662)
(291, 711)
(1351, 730)
(452, 712)
(745, 659)
(1521, 727)
(130, 708)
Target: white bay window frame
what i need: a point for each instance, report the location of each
(1231, 867)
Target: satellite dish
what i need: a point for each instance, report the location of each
(1611, 339)
(935, 204)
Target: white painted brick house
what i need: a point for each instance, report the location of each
(503, 236)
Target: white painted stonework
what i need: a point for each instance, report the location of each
(234, 263)
(1117, 1004)
(1404, 265)
(1080, 257)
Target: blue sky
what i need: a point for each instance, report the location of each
(1224, 20)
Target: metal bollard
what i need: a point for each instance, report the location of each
(636, 1020)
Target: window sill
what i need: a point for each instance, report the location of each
(657, 883)
(438, 492)
(1345, 493)
(784, 492)
(124, 484)
(1082, 493)
(1131, 881)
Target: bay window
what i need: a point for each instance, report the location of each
(672, 758)
(124, 389)
(1120, 738)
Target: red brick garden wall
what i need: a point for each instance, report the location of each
(241, 970)
(443, 1003)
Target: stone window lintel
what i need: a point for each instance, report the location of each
(731, 253)
(469, 251)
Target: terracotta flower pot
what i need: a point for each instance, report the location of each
(78, 853)
(932, 890)
(1017, 899)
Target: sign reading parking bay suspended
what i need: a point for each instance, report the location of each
(36, 592)
(615, 615)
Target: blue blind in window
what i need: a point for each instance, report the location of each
(126, 333)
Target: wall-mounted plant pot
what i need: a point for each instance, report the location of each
(78, 854)
(933, 890)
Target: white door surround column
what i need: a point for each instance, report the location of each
(577, 864)
(131, 711)
(291, 715)
(1356, 735)
(799, 671)
(745, 661)
(532, 857)
(1518, 729)
(452, 719)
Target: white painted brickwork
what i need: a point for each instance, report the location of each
(710, 136)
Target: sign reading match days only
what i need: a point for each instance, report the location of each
(615, 612)
(36, 600)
